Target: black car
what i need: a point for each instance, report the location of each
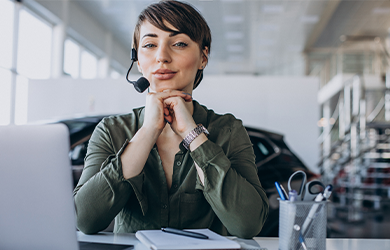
(274, 161)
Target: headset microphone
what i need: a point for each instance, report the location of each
(142, 83)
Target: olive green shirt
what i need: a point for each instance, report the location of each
(231, 201)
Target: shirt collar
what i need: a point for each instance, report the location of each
(200, 114)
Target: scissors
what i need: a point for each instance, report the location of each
(307, 191)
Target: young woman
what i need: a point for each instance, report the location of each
(172, 163)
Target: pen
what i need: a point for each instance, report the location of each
(292, 195)
(284, 192)
(280, 191)
(312, 212)
(184, 233)
(302, 240)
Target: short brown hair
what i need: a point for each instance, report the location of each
(181, 16)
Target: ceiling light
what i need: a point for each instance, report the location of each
(310, 19)
(235, 48)
(272, 9)
(380, 10)
(386, 155)
(233, 19)
(234, 35)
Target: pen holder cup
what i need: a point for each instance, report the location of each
(302, 225)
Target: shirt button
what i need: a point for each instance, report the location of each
(164, 206)
(175, 186)
(178, 163)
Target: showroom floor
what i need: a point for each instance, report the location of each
(367, 224)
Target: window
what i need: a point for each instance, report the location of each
(115, 74)
(6, 47)
(261, 148)
(34, 47)
(21, 100)
(6, 31)
(71, 58)
(5, 96)
(89, 64)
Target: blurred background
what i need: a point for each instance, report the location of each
(315, 71)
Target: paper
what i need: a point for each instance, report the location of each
(159, 240)
(248, 244)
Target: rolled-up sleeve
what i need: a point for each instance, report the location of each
(102, 191)
(231, 185)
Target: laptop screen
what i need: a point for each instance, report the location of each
(36, 208)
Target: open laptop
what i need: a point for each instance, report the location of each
(36, 202)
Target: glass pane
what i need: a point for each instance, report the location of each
(71, 58)
(88, 65)
(34, 47)
(21, 100)
(5, 96)
(6, 31)
(262, 148)
(115, 74)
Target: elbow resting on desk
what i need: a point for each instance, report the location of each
(90, 226)
(251, 228)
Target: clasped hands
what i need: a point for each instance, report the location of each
(169, 106)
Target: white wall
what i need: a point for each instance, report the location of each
(86, 30)
(67, 97)
(286, 105)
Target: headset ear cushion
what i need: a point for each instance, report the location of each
(134, 55)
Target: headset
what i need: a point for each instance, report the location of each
(142, 83)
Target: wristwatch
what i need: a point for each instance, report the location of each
(193, 134)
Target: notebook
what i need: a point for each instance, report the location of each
(36, 201)
(159, 240)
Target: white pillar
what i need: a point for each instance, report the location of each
(347, 106)
(387, 96)
(104, 63)
(341, 116)
(18, 7)
(59, 36)
(356, 95)
(327, 139)
(387, 93)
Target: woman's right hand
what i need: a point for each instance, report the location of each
(155, 108)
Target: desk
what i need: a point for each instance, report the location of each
(269, 243)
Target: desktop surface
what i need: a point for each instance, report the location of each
(263, 242)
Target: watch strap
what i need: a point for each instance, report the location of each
(193, 134)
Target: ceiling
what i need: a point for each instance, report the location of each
(257, 36)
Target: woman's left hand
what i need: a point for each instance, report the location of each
(178, 115)
(182, 123)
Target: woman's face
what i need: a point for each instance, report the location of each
(168, 60)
